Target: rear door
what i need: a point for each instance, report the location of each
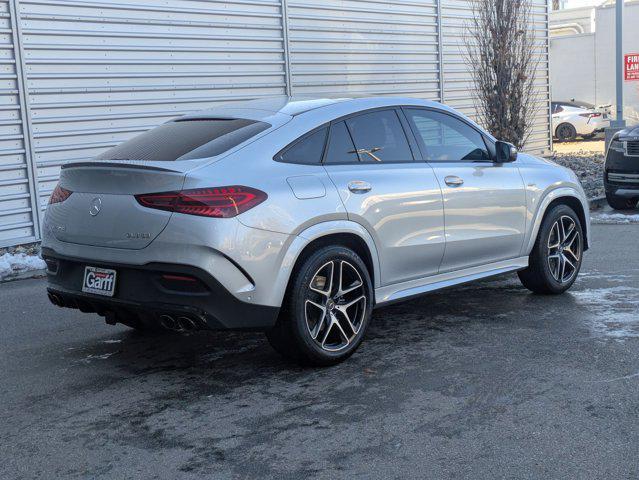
(370, 159)
(484, 201)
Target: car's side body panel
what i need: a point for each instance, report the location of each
(485, 216)
(403, 212)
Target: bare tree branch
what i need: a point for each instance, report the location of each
(500, 53)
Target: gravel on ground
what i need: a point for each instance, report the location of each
(589, 168)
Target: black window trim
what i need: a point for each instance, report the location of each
(488, 142)
(407, 127)
(278, 156)
(412, 145)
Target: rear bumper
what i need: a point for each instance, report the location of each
(143, 291)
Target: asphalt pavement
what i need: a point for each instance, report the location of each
(480, 381)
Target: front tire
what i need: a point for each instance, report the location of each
(327, 308)
(620, 203)
(556, 257)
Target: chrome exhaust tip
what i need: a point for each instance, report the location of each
(186, 323)
(53, 298)
(169, 322)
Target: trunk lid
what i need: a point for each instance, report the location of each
(102, 210)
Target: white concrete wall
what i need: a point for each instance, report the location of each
(583, 66)
(583, 17)
(572, 68)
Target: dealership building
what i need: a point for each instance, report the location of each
(81, 76)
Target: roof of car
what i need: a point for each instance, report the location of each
(265, 108)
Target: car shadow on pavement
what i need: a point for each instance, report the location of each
(223, 358)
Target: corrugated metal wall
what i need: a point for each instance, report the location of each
(80, 76)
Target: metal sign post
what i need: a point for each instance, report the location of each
(619, 123)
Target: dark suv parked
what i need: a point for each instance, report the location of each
(621, 175)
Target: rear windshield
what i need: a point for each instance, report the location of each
(186, 139)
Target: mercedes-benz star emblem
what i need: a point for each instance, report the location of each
(96, 206)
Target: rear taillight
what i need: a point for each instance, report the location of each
(217, 202)
(59, 195)
(590, 115)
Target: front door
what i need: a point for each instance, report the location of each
(484, 201)
(397, 199)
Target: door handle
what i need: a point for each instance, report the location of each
(453, 181)
(359, 186)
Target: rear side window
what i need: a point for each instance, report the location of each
(186, 139)
(307, 151)
(379, 137)
(341, 148)
(443, 137)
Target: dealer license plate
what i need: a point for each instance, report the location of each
(99, 281)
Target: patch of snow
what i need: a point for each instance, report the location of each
(617, 218)
(15, 263)
(614, 310)
(104, 356)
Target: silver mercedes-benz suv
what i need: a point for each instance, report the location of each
(299, 216)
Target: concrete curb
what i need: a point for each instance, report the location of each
(597, 203)
(24, 275)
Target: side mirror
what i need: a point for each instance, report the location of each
(506, 152)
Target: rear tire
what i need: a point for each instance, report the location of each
(621, 203)
(556, 257)
(566, 132)
(326, 310)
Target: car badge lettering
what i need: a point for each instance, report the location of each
(137, 235)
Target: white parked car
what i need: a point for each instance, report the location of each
(575, 118)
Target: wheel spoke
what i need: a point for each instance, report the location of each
(343, 309)
(341, 291)
(342, 332)
(326, 279)
(574, 255)
(554, 230)
(318, 326)
(331, 322)
(572, 236)
(569, 231)
(562, 230)
(351, 303)
(562, 269)
(569, 262)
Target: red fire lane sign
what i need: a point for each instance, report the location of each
(631, 66)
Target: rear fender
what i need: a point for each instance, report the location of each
(315, 232)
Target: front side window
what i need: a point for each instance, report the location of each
(443, 137)
(187, 139)
(308, 150)
(379, 137)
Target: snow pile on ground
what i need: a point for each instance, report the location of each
(12, 264)
(605, 217)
